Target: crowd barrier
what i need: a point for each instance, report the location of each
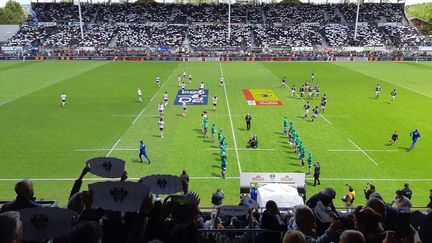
(223, 58)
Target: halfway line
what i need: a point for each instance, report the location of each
(231, 122)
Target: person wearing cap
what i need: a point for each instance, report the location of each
(406, 191)
(253, 192)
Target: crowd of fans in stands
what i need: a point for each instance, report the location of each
(269, 25)
(161, 220)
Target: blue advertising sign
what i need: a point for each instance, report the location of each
(191, 97)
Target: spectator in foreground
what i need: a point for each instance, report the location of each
(24, 199)
(185, 181)
(406, 191)
(272, 220)
(304, 221)
(367, 221)
(86, 232)
(351, 236)
(10, 227)
(294, 236)
(367, 191)
(402, 202)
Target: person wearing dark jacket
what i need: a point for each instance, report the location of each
(217, 198)
(24, 199)
(248, 119)
(271, 220)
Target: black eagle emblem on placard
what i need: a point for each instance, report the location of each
(272, 176)
(107, 166)
(162, 183)
(39, 221)
(119, 194)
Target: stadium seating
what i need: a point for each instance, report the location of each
(205, 26)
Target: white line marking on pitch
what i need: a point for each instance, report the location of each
(105, 149)
(157, 91)
(366, 150)
(157, 115)
(112, 179)
(319, 114)
(113, 147)
(361, 150)
(231, 122)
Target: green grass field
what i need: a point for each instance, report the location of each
(43, 141)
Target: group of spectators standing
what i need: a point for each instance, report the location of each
(160, 220)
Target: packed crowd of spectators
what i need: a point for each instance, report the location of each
(205, 26)
(150, 36)
(217, 36)
(179, 219)
(295, 35)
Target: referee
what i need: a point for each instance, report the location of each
(248, 119)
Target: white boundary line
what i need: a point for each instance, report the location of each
(106, 149)
(157, 115)
(110, 179)
(366, 150)
(243, 149)
(157, 91)
(231, 122)
(113, 147)
(361, 150)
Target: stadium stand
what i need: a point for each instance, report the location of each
(182, 25)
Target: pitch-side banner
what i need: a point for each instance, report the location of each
(296, 179)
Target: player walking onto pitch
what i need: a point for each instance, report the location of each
(414, 135)
(63, 99)
(306, 109)
(139, 95)
(393, 95)
(302, 90)
(317, 90)
(190, 78)
(394, 137)
(165, 98)
(201, 86)
(183, 86)
(143, 152)
(184, 105)
(221, 81)
(214, 102)
(184, 74)
(179, 80)
(313, 75)
(285, 126)
(161, 125)
(315, 113)
(158, 81)
(161, 108)
(205, 127)
(283, 85)
(293, 90)
(377, 91)
(309, 162)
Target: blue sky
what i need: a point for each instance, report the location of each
(3, 2)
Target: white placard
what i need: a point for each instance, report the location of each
(106, 167)
(163, 184)
(46, 223)
(119, 196)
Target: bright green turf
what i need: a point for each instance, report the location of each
(39, 138)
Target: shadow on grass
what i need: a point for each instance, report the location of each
(156, 136)
(404, 148)
(215, 174)
(215, 166)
